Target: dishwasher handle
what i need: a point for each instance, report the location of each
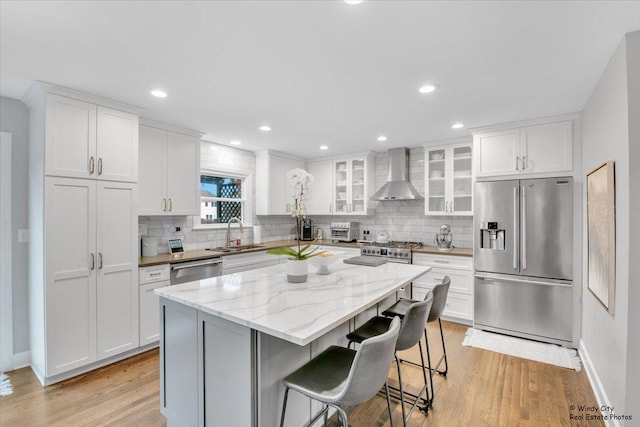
(184, 265)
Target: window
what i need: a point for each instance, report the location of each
(222, 197)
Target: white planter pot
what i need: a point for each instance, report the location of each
(297, 271)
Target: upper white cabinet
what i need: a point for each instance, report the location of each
(169, 179)
(448, 171)
(353, 183)
(341, 186)
(320, 195)
(274, 193)
(544, 148)
(85, 140)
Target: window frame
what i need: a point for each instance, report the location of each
(246, 200)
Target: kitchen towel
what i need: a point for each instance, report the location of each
(527, 349)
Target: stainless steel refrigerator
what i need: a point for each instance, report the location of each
(523, 258)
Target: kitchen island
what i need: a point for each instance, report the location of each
(226, 342)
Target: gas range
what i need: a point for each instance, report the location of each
(393, 251)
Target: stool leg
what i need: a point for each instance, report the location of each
(386, 391)
(343, 416)
(284, 405)
(426, 343)
(404, 419)
(444, 351)
(424, 374)
(326, 415)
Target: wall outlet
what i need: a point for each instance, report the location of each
(23, 235)
(177, 229)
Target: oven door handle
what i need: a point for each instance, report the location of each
(192, 265)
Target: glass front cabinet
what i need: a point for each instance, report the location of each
(353, 184)
(448, 176)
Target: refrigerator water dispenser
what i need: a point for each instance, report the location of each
(491, 237)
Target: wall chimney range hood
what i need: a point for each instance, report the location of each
(398, 186)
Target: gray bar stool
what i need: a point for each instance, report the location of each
(410, 334)
(400, 308)
(340, 377)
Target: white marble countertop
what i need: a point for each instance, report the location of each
(263, 300)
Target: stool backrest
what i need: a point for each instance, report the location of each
(413, 323)
(370, 367)
(440, 292)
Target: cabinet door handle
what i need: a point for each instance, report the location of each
(517, 164)
(100, 260)
(441, 261)
(170, 205)
(164, 205)
(92, 165)
(92, 263)
(330, 207)
(100, 166)
(524, 163)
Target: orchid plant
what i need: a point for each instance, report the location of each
(300, 181)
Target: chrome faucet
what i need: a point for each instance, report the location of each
(234, 219)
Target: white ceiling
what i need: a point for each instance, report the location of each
(319, 72)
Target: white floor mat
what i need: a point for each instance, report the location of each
(527, 349)
(5, 385)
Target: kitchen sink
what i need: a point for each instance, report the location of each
(235, 248)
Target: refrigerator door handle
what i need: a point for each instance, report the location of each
(515, 222)
(518, 280)
(524, 228)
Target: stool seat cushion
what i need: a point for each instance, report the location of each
(325, 376)
(375, 326)
(399, 308)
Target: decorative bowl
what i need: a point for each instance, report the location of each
(323, 260)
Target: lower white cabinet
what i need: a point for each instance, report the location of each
(151, 278)
(250, 261)
(83, 289)
(459, 306)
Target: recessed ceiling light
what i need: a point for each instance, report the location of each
(457, 126)
(265, 128)
(382, 138)
(159, 93)
(235, 143)
(428, 88)
(324, 147)
(353, 1)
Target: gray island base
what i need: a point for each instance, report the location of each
(226, 342)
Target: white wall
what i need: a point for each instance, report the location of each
(14, 118)
(605, 136)
(633, 343)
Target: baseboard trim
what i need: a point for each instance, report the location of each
(596, 384)
(21, 360)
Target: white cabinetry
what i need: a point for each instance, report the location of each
(459, 307)
(83, 253)
(320, 195)
(84, 140)
(91, 263)
(544, 148)
(448, 172)
(169, 171)
(250, 261)
(353, 182)
(273, 191)
(151, 278)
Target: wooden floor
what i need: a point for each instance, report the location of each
(482, 389)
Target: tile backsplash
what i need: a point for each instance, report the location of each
(405, 220)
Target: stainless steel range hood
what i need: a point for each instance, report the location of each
(398, 186)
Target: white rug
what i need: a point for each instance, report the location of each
(5, 385)
(527, 349)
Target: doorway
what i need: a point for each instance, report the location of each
(6, 294)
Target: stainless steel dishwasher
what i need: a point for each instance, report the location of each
(188, 271)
